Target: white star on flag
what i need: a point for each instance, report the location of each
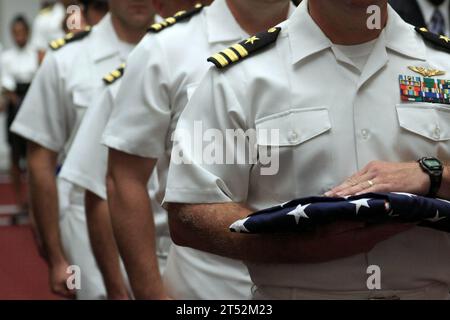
(239, 227)
(436, 218)
(299, 212)
(405, 194)
(283, 204)
(361, 203)
(444, 200)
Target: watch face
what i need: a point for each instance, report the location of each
(432, 164)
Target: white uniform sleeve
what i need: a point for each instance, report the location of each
(141, 117)
(86, 162)
(7, 80)
(198, 173)
(44, 116)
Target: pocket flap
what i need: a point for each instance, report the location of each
(83, 97)
(294, 127)
(431, 121)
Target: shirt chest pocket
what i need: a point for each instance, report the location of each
(429, 121)
(292, 128)
(82, 97)
(300, 140)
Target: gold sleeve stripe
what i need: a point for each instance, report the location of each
(220, 59)
(240, 49)
(156, 26)
(171, 20)
(226, 57)
(231, 55)
(235, 51)
(180, 13)
(116, 73)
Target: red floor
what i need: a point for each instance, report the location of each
(6, 194)
(23, 273)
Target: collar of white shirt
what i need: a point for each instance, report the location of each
(306, 38)
(221, 24)
(105, 42)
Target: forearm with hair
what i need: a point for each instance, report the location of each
(210, 223)
(205, 227)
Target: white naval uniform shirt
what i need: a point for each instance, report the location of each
(18, 66)
(48, 26)
(87, 160)
(332, 121)
(65, 85)
(161, 75)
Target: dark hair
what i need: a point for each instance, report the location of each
(20, 19)
(100, 5)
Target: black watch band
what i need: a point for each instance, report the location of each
(434, 168)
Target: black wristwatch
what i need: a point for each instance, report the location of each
(434, 168)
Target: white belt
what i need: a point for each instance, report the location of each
(436, 291)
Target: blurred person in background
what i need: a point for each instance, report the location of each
(51, 23)
(48, 25)
(18, 66)
(433, 14)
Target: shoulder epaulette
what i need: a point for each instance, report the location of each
(179, 16)
(244, 48)
(70, 37)
(440, 42)
(112, 77)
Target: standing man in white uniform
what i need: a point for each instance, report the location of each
(68, 80)
(48, 25)
(330, 88)
(162, 73)
(86, 166)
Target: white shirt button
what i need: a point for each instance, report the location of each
(293, 136)
(365, 134)
(437, 132)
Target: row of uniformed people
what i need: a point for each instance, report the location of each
(18, 66)
(70, 82)
(135, 116)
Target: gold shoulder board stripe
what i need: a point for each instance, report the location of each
(69, 38)
(179, 16)
(113, 76)
(241, 50)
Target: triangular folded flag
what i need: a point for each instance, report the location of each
(306, 214)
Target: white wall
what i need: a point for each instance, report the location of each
(8, 9)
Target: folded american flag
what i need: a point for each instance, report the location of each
(308, 213)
